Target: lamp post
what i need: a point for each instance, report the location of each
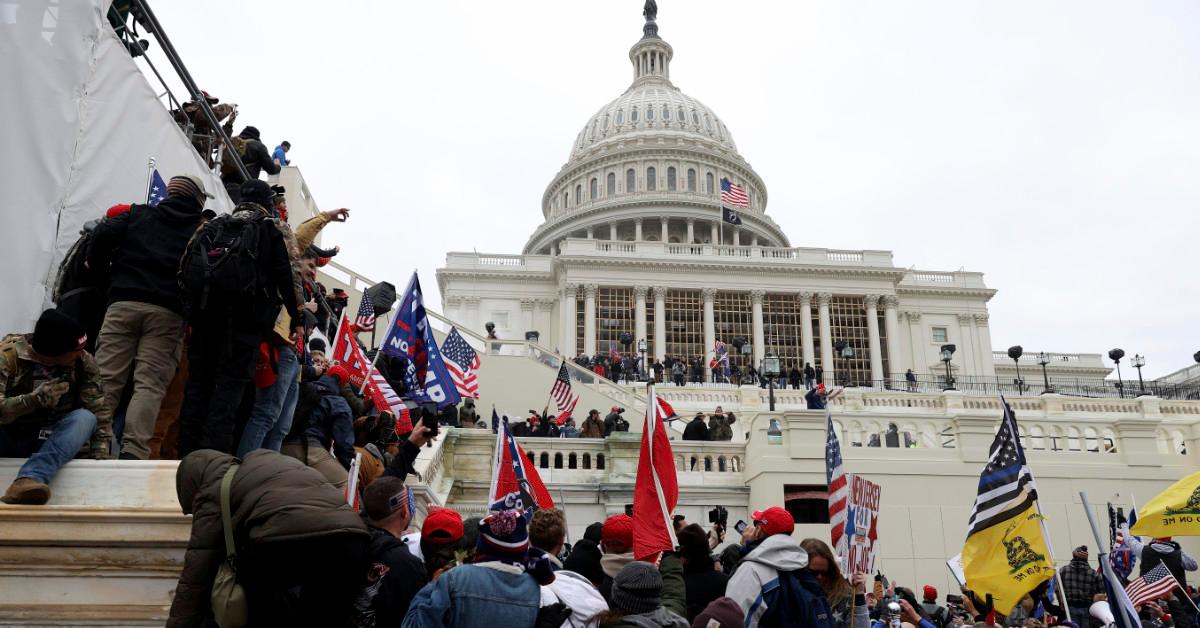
(1015, 352)
(1138, 362)
(642, 350)
(1115, 355)
(947, 354)
(1044, 359)
(846, 352)
(770, 368)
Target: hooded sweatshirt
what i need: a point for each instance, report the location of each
(578, 593)
(759, 573)
(612, 564)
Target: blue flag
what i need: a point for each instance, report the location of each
(158, 189)
(410, 338)
(1124, 614)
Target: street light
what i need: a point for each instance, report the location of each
(770, 367)
(1115, 355)
(1138, 362)
(846, 352)
(1044, 359)
(1015, 352)
(642, 350)
(947, 353)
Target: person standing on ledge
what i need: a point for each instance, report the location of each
(51, 404)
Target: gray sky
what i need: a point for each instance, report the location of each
(1054, 146)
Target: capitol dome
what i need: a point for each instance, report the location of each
(648, 166)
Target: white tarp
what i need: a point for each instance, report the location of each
(78, 125)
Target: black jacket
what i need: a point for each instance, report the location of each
(405, 576)
(585, 560)
(696, 430)
(256, 159)
(703, 583)
(143, 247)
(332, 421)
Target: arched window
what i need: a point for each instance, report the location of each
(594, 188)
(545, 460)
(587, 461)
(600, 461)
(707, 124)
(578, 193)
(633, 114)
(558, 460)
(630, 180)
(651, 179)
(695, 118)
(649, 113)
(620, 116)
(682, 116)
(572, 461)
(708, 184)
(671, 178)
(532, 460)
(592, 135)
(611, 186)
(691, 180)
(666, 112)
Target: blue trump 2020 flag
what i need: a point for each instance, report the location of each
(410, 338)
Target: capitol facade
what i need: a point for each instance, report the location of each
(633, 242)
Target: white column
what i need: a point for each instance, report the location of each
(756, 322)
(612, 231)
(591, 233)
(527, 305)
(920, 356)
(806, 333)
(891, 325)
(737, 236)
(826, 339)
(637, 230)
(589, 319)
(691, 230)
(665, 232)
(871, 301)
(660, 322)
(754, 239)
(965, 352)
(710, 329)
(714, 238)
(566, 335)
(639, 314)
(985, 345)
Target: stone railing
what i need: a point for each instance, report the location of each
(666, 250)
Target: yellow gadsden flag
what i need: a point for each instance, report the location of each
(1174, 512)
(1007, 559)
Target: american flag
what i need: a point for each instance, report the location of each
(365, 319)
(158, 189)
(561, 391)
(1006, 487)
(462, 362)
(732, 195)
(1152, 585)
(839, 490)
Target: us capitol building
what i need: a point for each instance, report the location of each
(633, 242)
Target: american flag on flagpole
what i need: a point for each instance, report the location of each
(1156, 583)
(733, 195)
(462, 361)
(562, 393)
(839, 489)
(365, 319)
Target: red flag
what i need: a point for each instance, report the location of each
(516, 484)
(656, 489)
(348, 353)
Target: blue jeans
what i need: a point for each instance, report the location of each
(271, 406)
(69, 435)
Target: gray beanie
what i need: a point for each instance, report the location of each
(637, 588)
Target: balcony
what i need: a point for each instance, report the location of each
(671, 251)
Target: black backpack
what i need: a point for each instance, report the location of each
(220, 264)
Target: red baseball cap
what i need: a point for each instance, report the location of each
(618, 530)
(442, 526)
(774, 520)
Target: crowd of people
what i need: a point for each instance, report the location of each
(682, 371)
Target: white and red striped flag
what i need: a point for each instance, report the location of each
(561, 391)
(365, 319)
(656, 488)
(839, 490)
(733, 195)
(1156, 583)
(461, 361)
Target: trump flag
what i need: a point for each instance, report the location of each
(410, 338)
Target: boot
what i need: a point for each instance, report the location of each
(26, 491)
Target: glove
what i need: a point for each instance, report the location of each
(48, 394)
(552, 616)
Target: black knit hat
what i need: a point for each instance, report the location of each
(637, 588)
(693, 542)
(57, 334)
(257, 191)
(593, 531)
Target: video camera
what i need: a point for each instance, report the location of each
(719, 516)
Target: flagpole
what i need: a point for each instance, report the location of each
(149, 177)
(501, 428)
(1058, 590)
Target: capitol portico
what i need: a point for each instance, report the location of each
(633, 242)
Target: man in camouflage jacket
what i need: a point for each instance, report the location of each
(51, 404)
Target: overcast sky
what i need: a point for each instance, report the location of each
(1054, 146)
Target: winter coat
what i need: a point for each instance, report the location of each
(674, 599)
(704, 584)
(578, 593)
(658, 618)
(405, 576)
(273, 498)
(696, 430)
(719, 427)
(815, 402)
(759, 571)
(592, 427)
(257, 158)
(332, 421)
(142, 249)
(481, 595)
(585, 561)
